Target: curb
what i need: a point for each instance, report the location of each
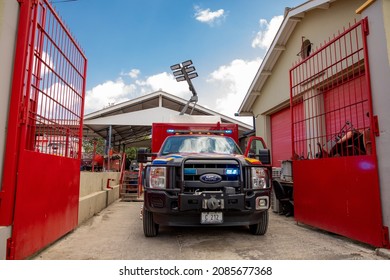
(383, 252)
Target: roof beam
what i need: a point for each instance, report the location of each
(324, 6)
(364, 6)
(295, 19)
(280, 48)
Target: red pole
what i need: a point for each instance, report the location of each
(17, 115)
(140, 171)
(93, 155)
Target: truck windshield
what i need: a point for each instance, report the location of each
(200, 144)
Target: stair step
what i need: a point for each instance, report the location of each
(131, 197)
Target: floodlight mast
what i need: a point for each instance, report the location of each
(185, 72)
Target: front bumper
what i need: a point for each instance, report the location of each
(185, 209)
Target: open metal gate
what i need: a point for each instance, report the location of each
(336, 185)
(40, 187)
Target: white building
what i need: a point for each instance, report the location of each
(327, 73)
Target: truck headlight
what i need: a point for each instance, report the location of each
(157, 177)
(259, 178)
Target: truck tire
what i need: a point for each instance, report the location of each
(150, 227)
(262, 226)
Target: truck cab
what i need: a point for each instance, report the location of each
(200, 177)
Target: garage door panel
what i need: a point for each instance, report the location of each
(281, 136)
(347, 103)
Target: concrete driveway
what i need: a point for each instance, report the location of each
(116, 234)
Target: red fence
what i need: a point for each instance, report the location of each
(42, 160)
(57, 86)
(336, 184)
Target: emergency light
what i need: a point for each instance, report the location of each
(221, 132)
(190, 171)
(227, 171)
(231, 171)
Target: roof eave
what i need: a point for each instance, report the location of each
(292, 17)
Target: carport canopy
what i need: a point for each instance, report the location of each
(130, 122)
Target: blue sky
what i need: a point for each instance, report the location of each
(131, 44)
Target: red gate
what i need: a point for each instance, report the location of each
(40, 187)
(336, 185)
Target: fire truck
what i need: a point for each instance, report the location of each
(196, 175)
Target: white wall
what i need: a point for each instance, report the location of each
(319, 26)
(8, 25)
(379, 43)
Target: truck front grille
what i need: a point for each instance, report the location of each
(228, 172)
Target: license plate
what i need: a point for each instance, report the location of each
(211, 218)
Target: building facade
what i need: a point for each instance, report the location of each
(319, 99)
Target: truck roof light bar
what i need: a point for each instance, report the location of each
(220, 132)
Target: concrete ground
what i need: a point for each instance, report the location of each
(116, 234)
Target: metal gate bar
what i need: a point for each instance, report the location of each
(58, 76)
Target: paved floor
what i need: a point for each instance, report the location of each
(116, 234)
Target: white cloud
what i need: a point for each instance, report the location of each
(267, 32)
(167, 83)
(114, 92)
(45, 63)
(233, 82)
(134, 73)
(110, 92)
(207, 16)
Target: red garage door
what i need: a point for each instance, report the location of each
(281, 136)
(347, 104)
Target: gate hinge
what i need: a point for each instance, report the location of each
(10, 249)
(34, 2)
(385, 234)
(365, 27)
(23, 115)
(376, 126)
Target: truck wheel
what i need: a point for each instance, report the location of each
(150, 227)
(261, 227)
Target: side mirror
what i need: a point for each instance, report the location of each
(265, 156)
(144, 155)
(251, 155)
